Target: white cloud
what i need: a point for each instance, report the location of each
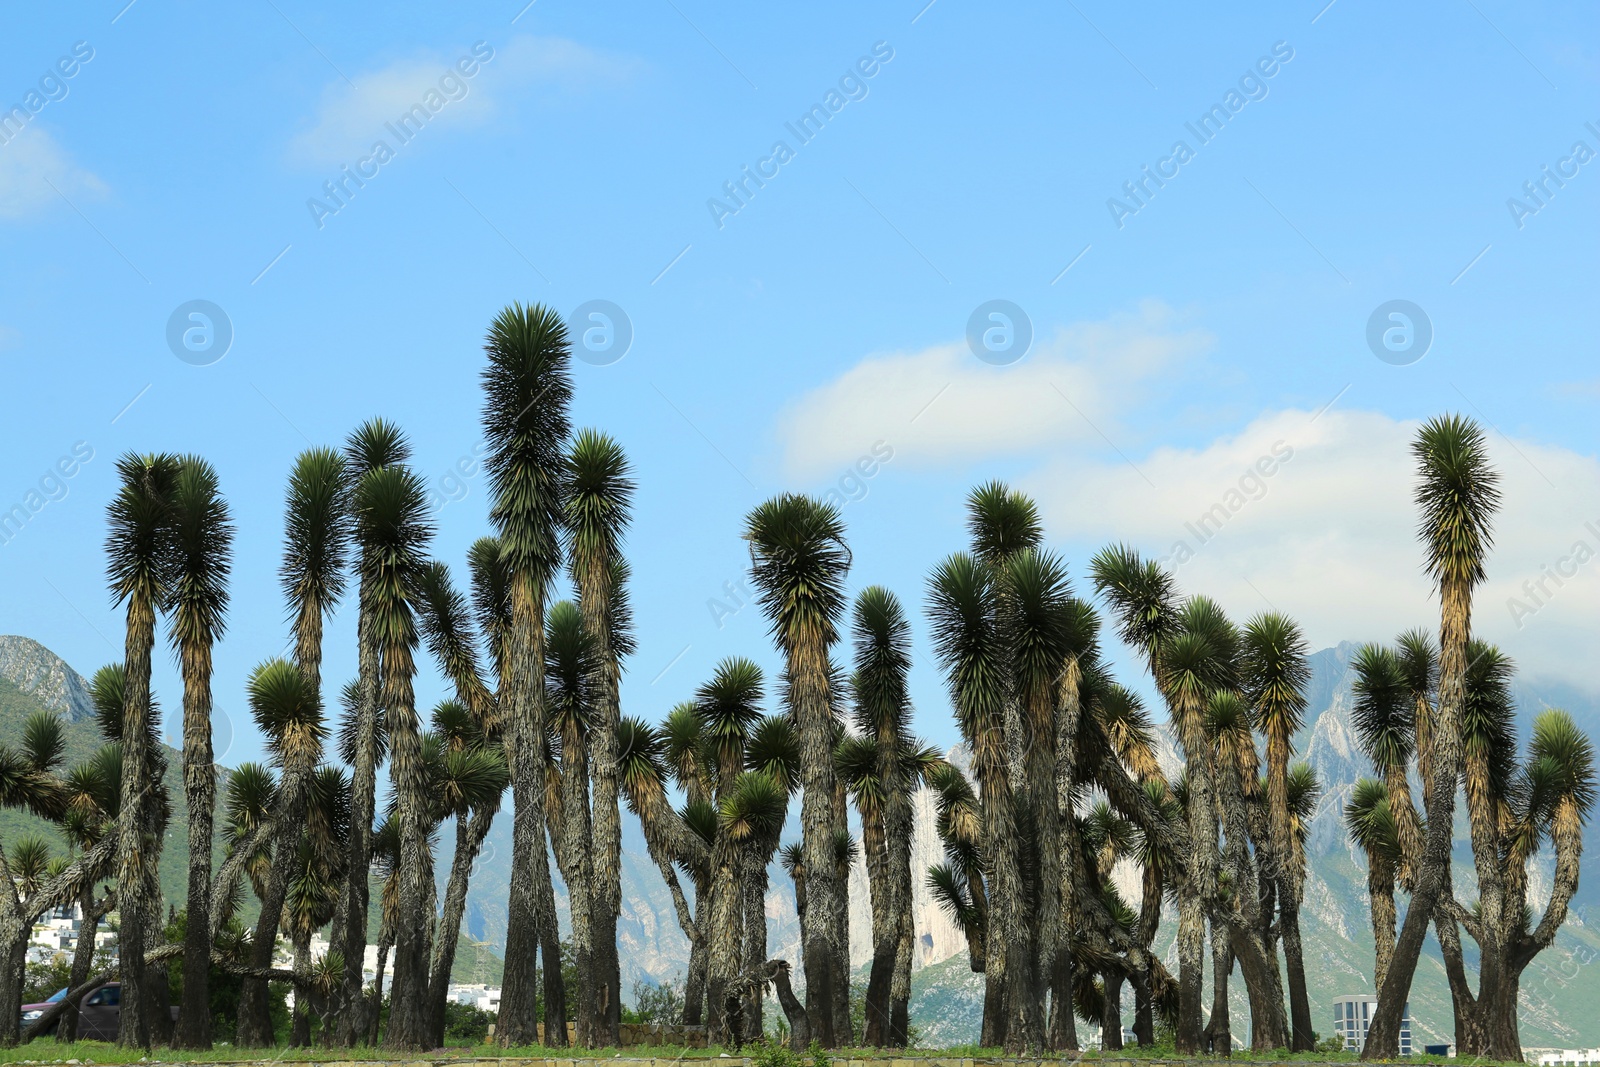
(350, 118)
(942, 404)
(1329, 536)
(30, 163)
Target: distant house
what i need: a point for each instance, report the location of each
(1570, 1057)
(1351, 1015)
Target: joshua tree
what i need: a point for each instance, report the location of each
(798, 562)
(376, 443)
(202, 545)
(139, 552)
(966, 637)
(569, 676)
(1275, 674)
(1457, 495)
(312, 895)
(600, 493)
(389, 505)
(528, 387)
(1370, 819)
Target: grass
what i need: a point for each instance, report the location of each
(46, 1050)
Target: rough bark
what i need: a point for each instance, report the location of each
(808, 680)
(350, 922)
(530, 891)
(200, 787)
(139, 918)
(1383, 1034)
(470, 834)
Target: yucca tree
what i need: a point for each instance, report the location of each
(1553, 795)
(798, 562)
(139, 552)
(599, 503)
(28, 781)
(881, 634)
(1036, 621)
(1457, 495)
(202, 543)
(527, 391)
(445, 620)
(750, 817)
(771, 750)
(1143, 601)
(1276, 671)
(374, 444)
(961, 607)
(1370, 820)
(642, 777)
(467, 779)
(289, 714)
(390, 506)
(569, 677)
(312, 893)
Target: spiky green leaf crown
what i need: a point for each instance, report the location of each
(1457, 493)
(527, 392)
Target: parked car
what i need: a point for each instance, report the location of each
(98, 1013)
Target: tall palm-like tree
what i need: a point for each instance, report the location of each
(1370, 819)
(1036, 618)
(316, 541)
(201, 561)
(1276, 671)
(882, 638)
(798, 562)
(527, 389)
(376, 443)
(1457, 494)
(138, 550)
(569, 676)
(312, 894)
(642, 777)
(1144, 602)
(967, 640)
(599, 501)
(446, 623)
(390, 505)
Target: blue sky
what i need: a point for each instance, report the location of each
(1220, 325)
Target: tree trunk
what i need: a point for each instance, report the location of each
(578, 874)
(754, 908)
(14, 932)
(1303, 1038)
(694, 990)
(408, 1015)
(83, 959)
(300, 1029)
(350, 921)
(469, 840)
(885, 928)
(1111, 1012)
(594, 601)
(526, 933)
(200, 787)
(1219, 1031)
(375, 1010)
(138, 916)
(725, 933)
(1468, 1022)
(809, 697)
(1383, 1034)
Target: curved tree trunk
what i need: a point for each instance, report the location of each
(83, 957)
(1219, 1031)
(1302, 1036)
(469, 841)
(1383, 1035)
(754, 908)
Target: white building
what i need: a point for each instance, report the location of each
(1571, 1057)
(1352, 1014)
(484, 997)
